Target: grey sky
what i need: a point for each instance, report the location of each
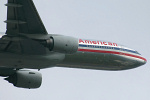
(125, 22)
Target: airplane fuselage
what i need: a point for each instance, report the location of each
(103, 55)
(90, 54)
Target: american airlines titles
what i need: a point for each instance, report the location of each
(97, 42)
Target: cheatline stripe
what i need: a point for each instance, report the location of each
(111, 52)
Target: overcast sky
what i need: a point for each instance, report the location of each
(125, 22)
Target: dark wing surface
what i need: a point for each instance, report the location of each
(22, 17)
(6, 71)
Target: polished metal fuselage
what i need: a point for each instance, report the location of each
(99, 61)
(103, 55)
(88, 56)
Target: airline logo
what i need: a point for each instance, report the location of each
(81, 41)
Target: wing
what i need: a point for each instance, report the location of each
(22, 17)
(6, 71)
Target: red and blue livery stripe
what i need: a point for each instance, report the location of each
(110, 50)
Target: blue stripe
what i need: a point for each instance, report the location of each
(108, 47)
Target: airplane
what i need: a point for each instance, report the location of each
(27, 45)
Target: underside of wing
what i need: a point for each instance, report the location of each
(22, 17)
(6, 71)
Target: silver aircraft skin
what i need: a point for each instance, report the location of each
(26, 44)
(104, 56)
(90, 54)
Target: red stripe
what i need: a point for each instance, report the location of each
(112, 52)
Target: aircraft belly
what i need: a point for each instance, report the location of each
(100, 61)
(86, 60)
(11, 60)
